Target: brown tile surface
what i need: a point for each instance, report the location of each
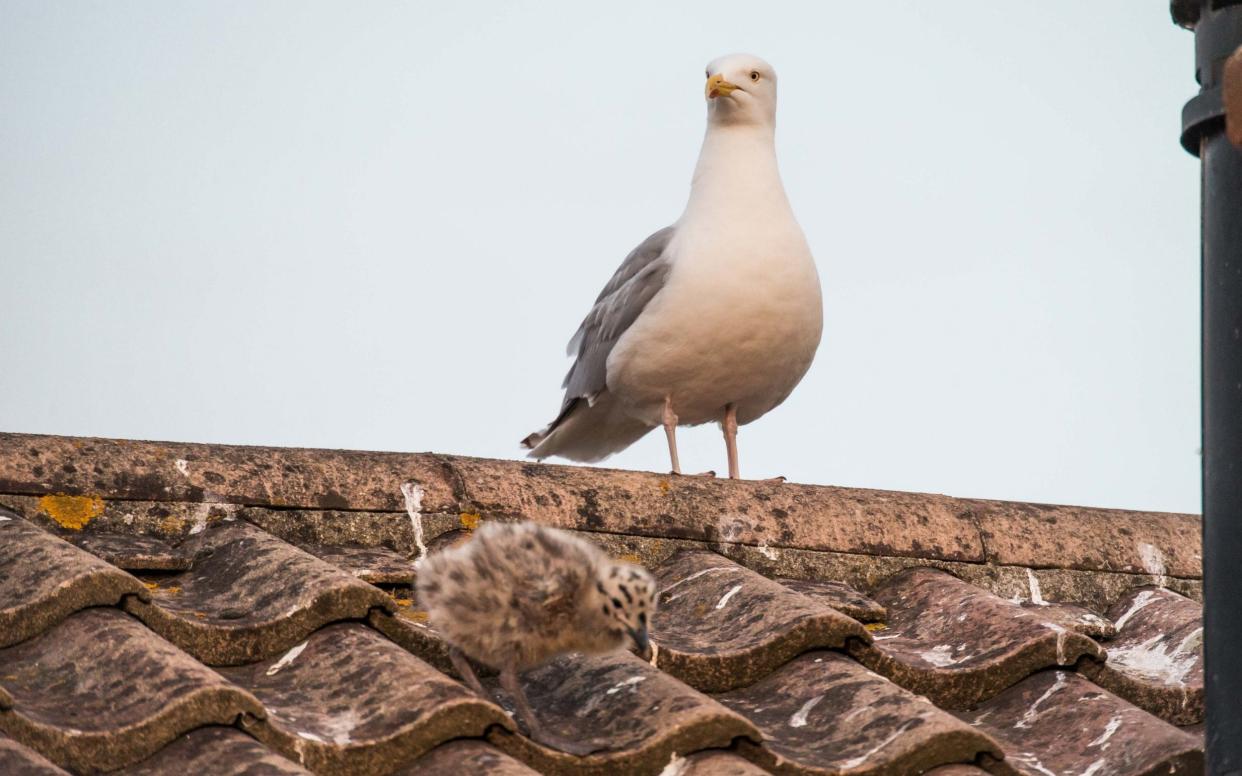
(1073, 617)
(1156, 661)
(823, 713)
(465, 758)
(639, 716)
(720, 625)
(839, 596)
(1040, 535)
(349, 701)
(1059, 722)
(377, 565)
(958, 644)
(272, 476)
(134, 552)
(251, 596)
(101, 691)
(215, 750)
(408, 627)
(44, 579)
(713, 763)
(18, 760)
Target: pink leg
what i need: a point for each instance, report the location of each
(729, 425)
(670, 432)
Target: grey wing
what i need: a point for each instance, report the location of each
(639, 278)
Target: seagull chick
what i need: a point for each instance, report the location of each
(713, 319)
(519, 594)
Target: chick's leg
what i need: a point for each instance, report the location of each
(509, 681)
(466, 672)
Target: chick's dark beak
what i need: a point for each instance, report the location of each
(642, 643)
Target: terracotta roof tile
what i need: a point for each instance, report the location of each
(44, 579)
(721, 625)
(18, 760)
(459, 758)
(377, 565)
(839, 596)
(958, 644)
(281, 544)
(1156, 662)
(823, 713)
(639, 716)
(347, 700)
(1059, 722)
(133, 552)
(215, 750)
(99, 690)
(250, 596)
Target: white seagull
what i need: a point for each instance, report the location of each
(713, 319)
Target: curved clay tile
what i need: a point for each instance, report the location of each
(100, 691)
(720, 625)
(1073, 617)
(458, 758)
(44, 579)
(1059, 722)
(1156, 661)
(408, 627)
(134, 552)
(839, 596)
(349, 701)
(823, 713)
(639, 717)
(17, 760)
(377, 565)
(958, 644)
(712, 763)
(251, 596)
(215, 750)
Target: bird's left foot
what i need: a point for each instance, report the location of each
(780, 478)
(708, 474)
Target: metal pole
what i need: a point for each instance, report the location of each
(1217, 25)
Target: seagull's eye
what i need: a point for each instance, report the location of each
(707, 74)
(754, 75)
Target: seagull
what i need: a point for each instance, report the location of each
(713, 319)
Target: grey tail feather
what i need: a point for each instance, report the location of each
(532, 440)
(587, 431)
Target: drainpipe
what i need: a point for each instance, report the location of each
(1217, 25)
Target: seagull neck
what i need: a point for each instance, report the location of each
(736, 168)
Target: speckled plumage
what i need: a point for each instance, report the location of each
(519, 594)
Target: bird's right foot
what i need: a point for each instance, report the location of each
(707, 474)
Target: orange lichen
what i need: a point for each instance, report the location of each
(875, 626)
(170, 526)
(403, 602)
(72, 512)
(470, 520)
(629, 557)
(416, 616)
(664, 486)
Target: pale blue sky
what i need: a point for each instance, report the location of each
(375, 225)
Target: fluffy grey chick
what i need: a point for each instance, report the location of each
(519, 594)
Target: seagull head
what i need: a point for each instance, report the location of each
(741, 89)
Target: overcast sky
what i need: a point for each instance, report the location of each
(375, 225)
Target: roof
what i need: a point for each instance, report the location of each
(169, 607)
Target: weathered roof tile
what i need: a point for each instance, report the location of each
(1058, 722)
(840, 596)
(349, 701)
(958, 644)
(720, 625)
(44, 579)
(18, 760)
(215, 749)
(377, 565)
(823, 713)
(251, 596)
(465, 757)
(1156, 661)
(134, 552)
(639, 716)
(100, 691)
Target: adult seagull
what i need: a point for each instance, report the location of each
(713, 319)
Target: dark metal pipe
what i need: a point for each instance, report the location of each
(1218, 33)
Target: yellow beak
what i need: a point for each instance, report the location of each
(717, 85)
